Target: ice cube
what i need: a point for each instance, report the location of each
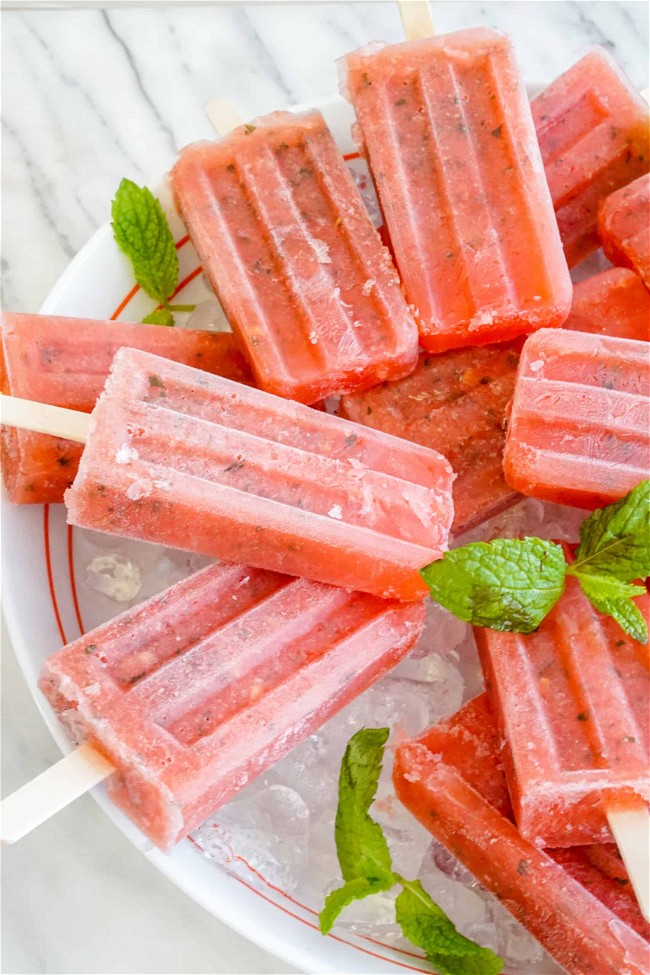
(265, 833)
(115, 576)
(208, 316)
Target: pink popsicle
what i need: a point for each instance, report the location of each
(592, 127)
(447, 129)
(289, 248)
(65, 362)
(624, 227)
(182, 458)
(579, 430)
(451, 780)
(197, 691)
(572, 703)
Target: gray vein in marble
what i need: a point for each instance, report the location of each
(34, 180)
(83, 92)
(591, 28)
(138, 80)
(267, 62)
(187, 71)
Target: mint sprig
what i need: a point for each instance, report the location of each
(511, 584)
(143, 234)
(367, 868)
(426, 925)
(507, 584)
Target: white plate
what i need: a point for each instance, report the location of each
(44, 609)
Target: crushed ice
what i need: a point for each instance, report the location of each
(280, 828)
(115, 576)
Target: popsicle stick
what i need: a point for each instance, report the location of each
(42, 418)
(223, 116)
(631, 829)
(416, 19)
(53, 790)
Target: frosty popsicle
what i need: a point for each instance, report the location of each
(612, 303)
(195, 692)
(592, 127)
(454, 403)
(65, 362)
(447, 130)
(579, 430)
(572, 703)
(624, 227)
(451, 780)
(289, 247)
(182, 458)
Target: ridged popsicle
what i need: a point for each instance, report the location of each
(197, 691)
(65, 362)
(447, 130)
(182, 458)
(452, 781)
(579, 428)
(288, 246)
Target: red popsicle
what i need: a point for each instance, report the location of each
(289, 247)
(182, 458)
(572, 702)
(612, 303)
(454, 403)
(624, 227)
(579, 429)
(65, 362)
(592, 127)
(446, 125)
(196, 692)
(451, 780)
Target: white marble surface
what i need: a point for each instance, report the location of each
(89, 96)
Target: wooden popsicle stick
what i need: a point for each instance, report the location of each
(222, 116)
(631, 829)
(53, 790)
(416, 19)
(42, 418)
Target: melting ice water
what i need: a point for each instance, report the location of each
(280, 828)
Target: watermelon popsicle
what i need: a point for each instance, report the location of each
(65, 362)
(592, 127)
(579, 428)
(572, 703)
(288, 246)
(612, 303)
(624, 227)
(182, 458)
(447, 130)
(195, 692)
(454, 403)
(587, 919)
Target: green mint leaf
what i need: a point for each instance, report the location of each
(427, 926)
(141, 230)
(612, 596)
(360, 843)
(367, 869)
(353, 890)
(162, 316)
(615, 540)
(507, 584)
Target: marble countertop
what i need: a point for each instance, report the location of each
(90, 96)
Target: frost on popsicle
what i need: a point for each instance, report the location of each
(511, 584)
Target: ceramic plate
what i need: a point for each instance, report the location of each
(45, 608)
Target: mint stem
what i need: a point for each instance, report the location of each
(180, 307)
